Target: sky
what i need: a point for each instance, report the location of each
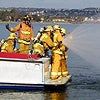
(69, 4)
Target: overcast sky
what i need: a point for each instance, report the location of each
(70, 4)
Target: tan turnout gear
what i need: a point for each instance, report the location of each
(57, 38)
(46, 40)
(38, 49)
(59, 67)
(8, 45)
(56, 53)
(24, 37)
(55, 66)
(63, 62)
(25, 34)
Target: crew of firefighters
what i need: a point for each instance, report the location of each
(48, 39)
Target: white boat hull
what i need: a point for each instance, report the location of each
(27, 73)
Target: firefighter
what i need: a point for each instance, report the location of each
(46, 40)
(25, 34)
(37, 45)
(63, 62)
(64, 56)
(51, 30)
(56, 53)
(38, 48)
(8, 45)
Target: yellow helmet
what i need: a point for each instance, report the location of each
(12, 36)
(56, 27)
(50, 27)
(63, 30)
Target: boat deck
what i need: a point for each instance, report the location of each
(59, 81)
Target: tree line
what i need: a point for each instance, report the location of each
(14, 15)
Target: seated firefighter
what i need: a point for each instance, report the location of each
(9, 44)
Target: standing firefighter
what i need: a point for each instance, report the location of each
(25, 34)
(46, 39)
(56, 53)
(38, 45)
(64, 56)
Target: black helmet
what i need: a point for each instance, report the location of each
(26, 18)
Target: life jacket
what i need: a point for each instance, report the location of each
(25, 32)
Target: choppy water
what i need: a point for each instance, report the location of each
(85, 83)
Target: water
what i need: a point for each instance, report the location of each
(82, 64)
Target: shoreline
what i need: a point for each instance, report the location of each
(38, 22)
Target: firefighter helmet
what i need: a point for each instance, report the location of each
(63, 30)
(50, 28)
(56, 27)
(12, 36)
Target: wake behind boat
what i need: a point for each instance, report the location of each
(27, 71)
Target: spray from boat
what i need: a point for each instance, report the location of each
(85, 42)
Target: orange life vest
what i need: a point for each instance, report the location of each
(25, 32)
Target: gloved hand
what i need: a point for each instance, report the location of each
(35, 39)
(7, 27)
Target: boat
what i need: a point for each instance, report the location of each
(26, 71)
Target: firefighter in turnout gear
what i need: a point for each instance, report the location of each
(63, 62)
(56, 53)
(64, 57)
(8, 45)
(46, 40)
(25, 34)
(38, 48)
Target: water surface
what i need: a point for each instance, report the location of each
(85, 83)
